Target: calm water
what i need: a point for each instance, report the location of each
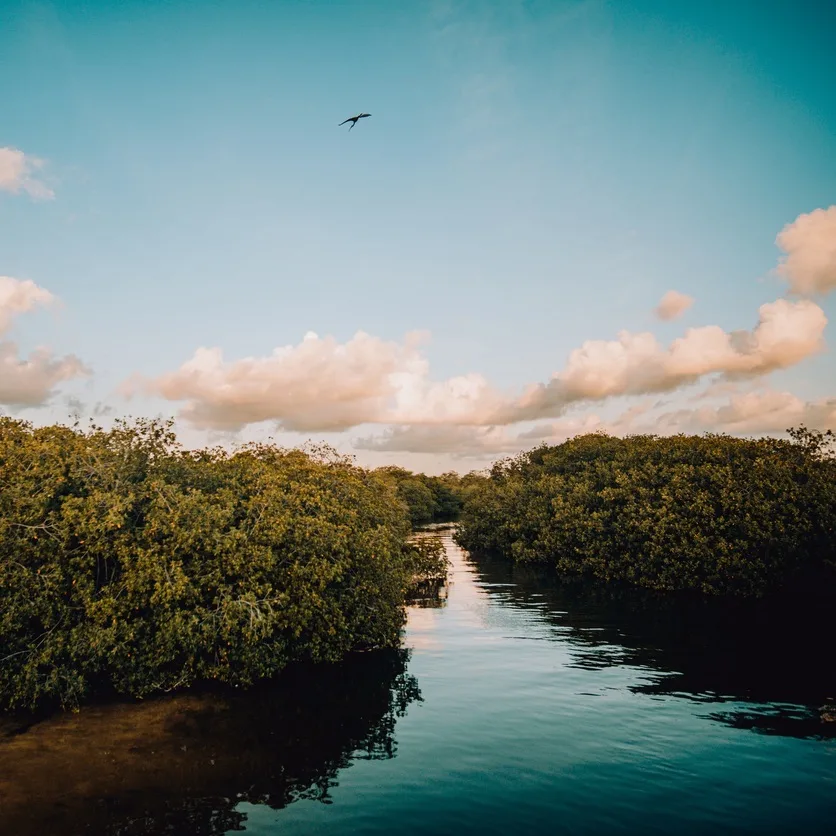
(520, 706)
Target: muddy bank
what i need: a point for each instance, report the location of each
(184, 762)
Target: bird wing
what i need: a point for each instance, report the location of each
(347, 120)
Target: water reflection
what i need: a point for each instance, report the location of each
(771, 656)
(432, 593)
(429, 595)
(548, 707)
(183, 764)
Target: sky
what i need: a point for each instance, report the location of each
(561, 216)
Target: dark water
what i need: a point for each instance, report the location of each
(520, 706)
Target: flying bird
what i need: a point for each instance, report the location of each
(353, 119)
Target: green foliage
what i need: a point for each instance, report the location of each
(718, 514)
(429, 499)
(131, 566)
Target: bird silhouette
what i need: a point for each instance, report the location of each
(353, 119)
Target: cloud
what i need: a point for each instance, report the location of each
(30, 381)
(488, 442)
(753, 412)
(636, 364)
(321, 385)
(16, 174)
(749, 413)
(718, 388)
(810, 246)
(75, 405)
(78, 407)
(588, 423)
(17, 297)
(453, 439)
(672, 305)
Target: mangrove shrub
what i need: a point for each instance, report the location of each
(428, 499)
(711, 513)
(131, 566)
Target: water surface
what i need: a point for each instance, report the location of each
(521, 705)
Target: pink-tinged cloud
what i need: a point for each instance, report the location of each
(320, 385)
(810, 246)
(749, 413)
(752, 413)
(31, 381)
(27, 382)
(557, 431)
(636, 364)
(463, 442)
(17, 174)
(672, 305)
(19, 296)
(746, 413)
(456, 440)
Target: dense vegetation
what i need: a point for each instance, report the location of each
(714, 513)
(131, 566)
(430, 499)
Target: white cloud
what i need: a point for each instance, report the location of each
(29, 381)
(672, 305)
(17, 172)
(635, 364)
(810, 244)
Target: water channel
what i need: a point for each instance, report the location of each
(519, 704)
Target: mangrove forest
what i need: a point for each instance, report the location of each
(130, 566)
(714, 514)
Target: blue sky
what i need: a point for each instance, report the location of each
(534, 175)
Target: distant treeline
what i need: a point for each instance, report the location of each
(430, 499)
(712, 513)
(131, 566)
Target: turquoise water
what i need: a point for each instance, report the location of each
(523, 706)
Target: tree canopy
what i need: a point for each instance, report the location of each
(132, 566)
(429, 499)
(713, 513)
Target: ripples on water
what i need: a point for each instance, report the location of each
(521, 705)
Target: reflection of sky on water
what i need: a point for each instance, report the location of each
(421, 627)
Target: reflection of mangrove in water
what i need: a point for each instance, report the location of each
(774, 655)
(430, 593)
(183, 764)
